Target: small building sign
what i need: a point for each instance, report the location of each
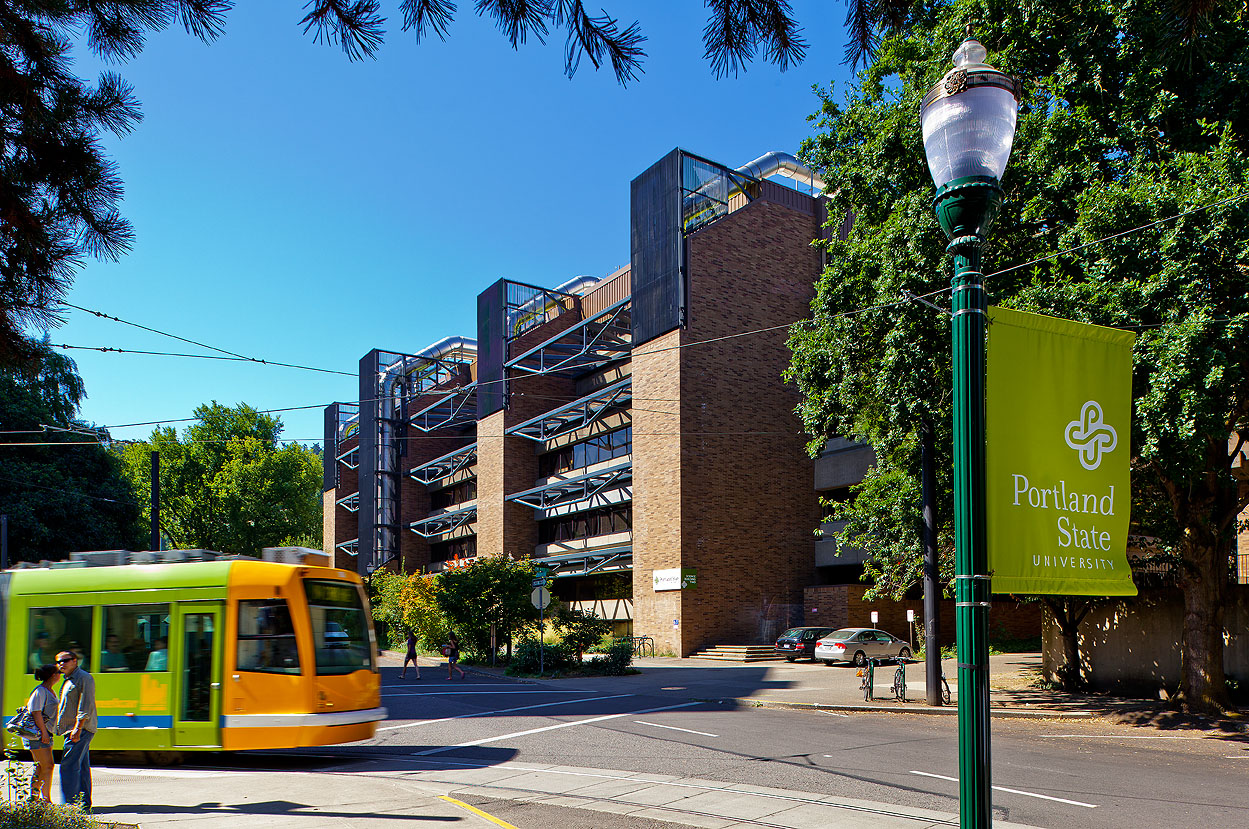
(676, 578)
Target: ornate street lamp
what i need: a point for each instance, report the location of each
(968, 121)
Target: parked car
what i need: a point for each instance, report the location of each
(799, 643)
(855, 645)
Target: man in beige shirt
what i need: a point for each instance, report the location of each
(76, 720)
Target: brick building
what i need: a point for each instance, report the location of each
(624, 431)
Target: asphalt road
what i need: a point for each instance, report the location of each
(1060, 773)
(1046, 773)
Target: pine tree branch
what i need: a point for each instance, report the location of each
(355, 25)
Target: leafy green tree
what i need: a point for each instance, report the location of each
(580, 629)
(490, 590)
(1117, 130)
(227, 485)
(385, 588)
(70, 495)
(420, 611)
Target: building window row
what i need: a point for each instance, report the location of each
(452, 495)
(456, 547)
(605, 521)
(580, 455)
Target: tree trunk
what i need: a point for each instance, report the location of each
(1203, 685)
(1068, 618)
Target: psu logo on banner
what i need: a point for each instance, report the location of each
(1058, 412)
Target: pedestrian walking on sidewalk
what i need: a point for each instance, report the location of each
(452, 650)
(411, 657)
(76, 721)
(42, 707)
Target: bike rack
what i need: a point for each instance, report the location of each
(641, 644)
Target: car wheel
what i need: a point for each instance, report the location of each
(827, 662)
(790, 658)
(905, 653)
(860, 659)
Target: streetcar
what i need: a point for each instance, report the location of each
(219, 655)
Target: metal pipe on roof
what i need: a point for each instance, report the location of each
(776, 163)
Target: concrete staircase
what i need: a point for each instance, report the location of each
(738, 653)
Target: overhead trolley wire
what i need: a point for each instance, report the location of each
(229, 354)
(906, 298)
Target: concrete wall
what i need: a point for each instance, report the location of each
(842, 463)
(1133, 646)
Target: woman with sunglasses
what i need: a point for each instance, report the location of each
(42, 707)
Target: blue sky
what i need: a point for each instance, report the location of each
(293, 206)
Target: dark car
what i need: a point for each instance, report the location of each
(799, 642)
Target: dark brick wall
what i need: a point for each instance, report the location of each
(842, 605)
(722, 478)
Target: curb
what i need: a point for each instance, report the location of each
(998, 713)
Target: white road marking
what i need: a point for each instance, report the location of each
(674, 728)
(515, 734)
(1123, 736)
(471, 693)
(1014, 791)
(499, 711)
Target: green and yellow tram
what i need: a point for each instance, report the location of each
(201, 656)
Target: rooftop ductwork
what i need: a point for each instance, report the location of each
(783, 164)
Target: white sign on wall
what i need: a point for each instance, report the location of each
(666, 579)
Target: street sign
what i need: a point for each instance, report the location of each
(541, 597)
(539, 582)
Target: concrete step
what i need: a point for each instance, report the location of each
(738, 653)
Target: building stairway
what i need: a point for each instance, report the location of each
(738, 653)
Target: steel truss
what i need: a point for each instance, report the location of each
(351, 503)
(577, 414)
(444, 467)
(444, 522)
(350, 458)
(578, 488)
(455, 409)
(600, 339)
(588, 562)
(350, 547)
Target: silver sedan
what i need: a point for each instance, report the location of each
(857, 644)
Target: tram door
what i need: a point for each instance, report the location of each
(197, 696)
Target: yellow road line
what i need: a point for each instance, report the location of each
(477, 812)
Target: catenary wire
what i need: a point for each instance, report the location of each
(908, 298)
(235, 359)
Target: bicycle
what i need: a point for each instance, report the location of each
(899, 682)
(945, 689)
(868, 679)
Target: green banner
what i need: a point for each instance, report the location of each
(1058, 415)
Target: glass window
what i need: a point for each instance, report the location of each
(339, 627)
(56, 629)
(136, 638)
(267, 638)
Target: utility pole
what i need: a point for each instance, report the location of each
(155, 546)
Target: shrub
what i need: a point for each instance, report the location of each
(617, 660)
(35, 814)
(580, 629)
(553, 658)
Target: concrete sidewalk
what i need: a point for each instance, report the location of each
(394, 792)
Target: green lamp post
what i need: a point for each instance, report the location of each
(968, 121)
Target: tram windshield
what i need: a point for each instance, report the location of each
(339, 627)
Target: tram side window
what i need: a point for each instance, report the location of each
(56, 629)
(267, 638)
(136, 638)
